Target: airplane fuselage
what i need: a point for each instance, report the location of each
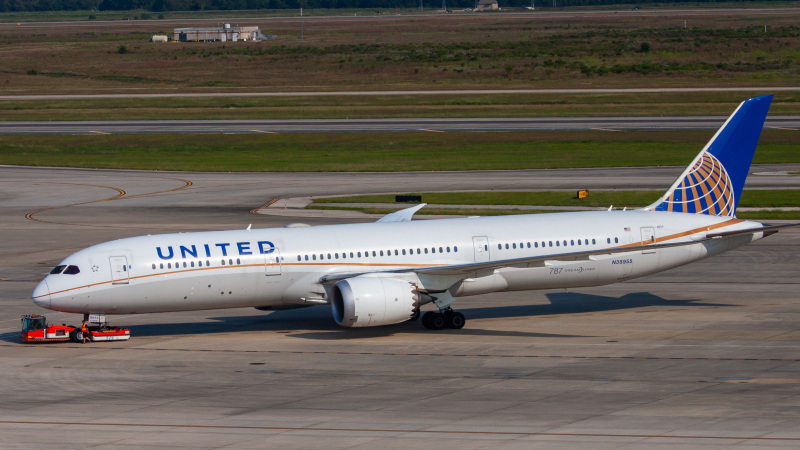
(283, 267)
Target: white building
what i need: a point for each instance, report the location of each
(218, 34)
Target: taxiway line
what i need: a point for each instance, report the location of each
(438, 355)
(399, 430)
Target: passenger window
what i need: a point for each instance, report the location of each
(579, 242)
(616, 240)
(336, 255)
(154, 266)
(184, 264)
(161, 266)
(359, 254)
(609, 240)
(395, 253)
(426, 250)
(593, 242)
(455, 249)
(448, 249)
(433, 249)
(329, 256)
(571, 242)
(238, 261)
(169, 265)
(381, 252)
(418, 252)
(230, 262)
(404, 252)
(514, 245)
(74, 270)
(192, 264)
(314, 257)
(529, 245)
(557, 244)
(351, 254)
(551, 243)
(536, 244)
(506, 246)
(499, 246)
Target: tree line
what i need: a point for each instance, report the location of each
(225, 5)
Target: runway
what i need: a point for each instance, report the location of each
(703, 356)
(465, 92)
(461, 125)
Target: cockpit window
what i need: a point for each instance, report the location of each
(72, 270)
(57, 270)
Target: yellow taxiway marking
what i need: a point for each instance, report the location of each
(262, 131)
(607, 129)
(99, 132)
(432, 131)
(782, 128)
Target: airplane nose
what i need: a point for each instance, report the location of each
(41, 294)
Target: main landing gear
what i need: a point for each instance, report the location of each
(436, 320)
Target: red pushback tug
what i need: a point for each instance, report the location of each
(36, 329)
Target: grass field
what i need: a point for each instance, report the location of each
(454, 51)
(377, 151)
(371, 106)
(765, 199)
(750, 198)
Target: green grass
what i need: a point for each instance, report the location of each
(439, 211)
(633, 199)
(371, 106)
(750, 198)
(382, 152)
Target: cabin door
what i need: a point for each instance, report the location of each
(481, 246)
(119, 270)
(272, 265)
(648, 238)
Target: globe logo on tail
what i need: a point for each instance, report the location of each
(705, 189)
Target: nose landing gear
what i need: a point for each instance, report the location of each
(448, 318)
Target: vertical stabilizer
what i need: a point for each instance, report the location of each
(713, 182)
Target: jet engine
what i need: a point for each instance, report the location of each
(368, 301)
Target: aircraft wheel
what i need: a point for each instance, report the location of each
(433, 320)
(455, 320)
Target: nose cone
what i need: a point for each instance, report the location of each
(41, 295)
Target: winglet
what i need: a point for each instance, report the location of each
(713, 182)
(404, 215)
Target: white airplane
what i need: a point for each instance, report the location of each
(382, 273)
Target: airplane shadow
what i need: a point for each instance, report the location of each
(316, 323)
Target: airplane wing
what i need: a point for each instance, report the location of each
(471, 270)
(404, 215)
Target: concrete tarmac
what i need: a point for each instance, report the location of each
(463, 125)
(703, 356)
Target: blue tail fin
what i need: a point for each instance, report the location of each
(713, 182)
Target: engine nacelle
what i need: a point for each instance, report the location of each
(369, 301)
